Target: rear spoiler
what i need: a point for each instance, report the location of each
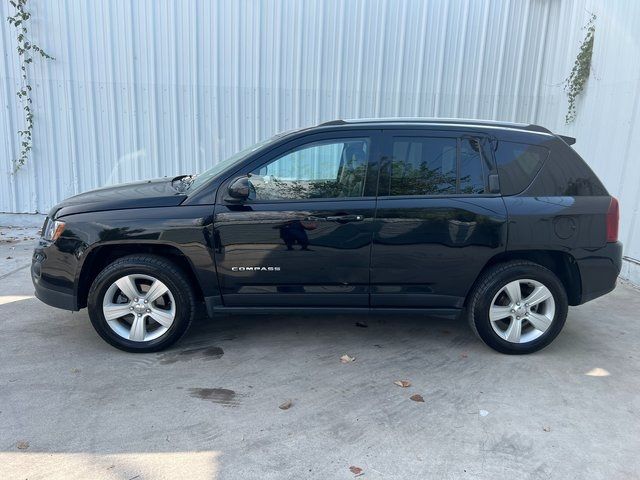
(567, 140)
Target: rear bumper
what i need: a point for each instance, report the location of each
(599, 271)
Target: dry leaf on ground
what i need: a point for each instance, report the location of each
(286, 405)
(355, 470)
(346, 359)
(403, 383)
(22, 445)
(547, 429)
(361, 325)
(416, 398)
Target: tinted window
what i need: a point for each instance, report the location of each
(518, 164)
(423, 166)
(471, 160)
(331, 169)
(565, 173)
(430, 166)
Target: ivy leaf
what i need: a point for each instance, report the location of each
(575, 82)
(24, 46)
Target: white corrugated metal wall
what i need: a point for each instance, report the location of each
(148, 88)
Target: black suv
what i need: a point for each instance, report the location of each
(503, 223)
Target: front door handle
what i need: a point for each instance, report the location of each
(344, 218)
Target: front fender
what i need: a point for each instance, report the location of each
(187, 229)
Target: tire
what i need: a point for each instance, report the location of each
(499, 320)
(141, 326)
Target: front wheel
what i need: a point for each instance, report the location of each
(141, 303)
(518, 307)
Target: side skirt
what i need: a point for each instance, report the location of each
(214, 308)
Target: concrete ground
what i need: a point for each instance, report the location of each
(72, 407)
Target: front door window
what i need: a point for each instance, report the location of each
(329, 169)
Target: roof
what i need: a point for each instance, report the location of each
(444, 122)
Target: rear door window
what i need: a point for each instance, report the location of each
(423, 166)
(518, 164)
(472, 158)
(429, 165)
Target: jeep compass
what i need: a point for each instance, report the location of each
(501, 223)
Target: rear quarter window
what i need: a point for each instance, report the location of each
(565, 173)
(518, 164)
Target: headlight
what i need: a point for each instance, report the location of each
(52, 229)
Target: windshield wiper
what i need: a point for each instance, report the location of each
(182, 182)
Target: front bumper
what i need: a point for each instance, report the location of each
(54, 298)
(51, 288)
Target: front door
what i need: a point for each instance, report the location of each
(305, 236)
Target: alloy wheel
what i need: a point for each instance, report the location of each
(139, 307)
(522, 311)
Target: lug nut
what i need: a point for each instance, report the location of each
(130, 308)
(139, 314)
(517, 318)
(146, 301)
(148, 311)
(135, 299)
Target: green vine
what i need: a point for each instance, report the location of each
(26, 50)
(574, 84)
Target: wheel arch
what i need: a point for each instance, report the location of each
(562, 264)
(102, 255)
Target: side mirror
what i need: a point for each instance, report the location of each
(494, 183)
(241, 190)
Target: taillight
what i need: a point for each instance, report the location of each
(613, 219)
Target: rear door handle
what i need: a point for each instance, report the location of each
(345, 218)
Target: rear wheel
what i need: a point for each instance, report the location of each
(141, 303)
(518, 307)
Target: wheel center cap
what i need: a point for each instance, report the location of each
(521, 311)
(139, 308)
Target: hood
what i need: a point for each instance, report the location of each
(149, 193)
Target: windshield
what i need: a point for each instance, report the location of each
(219, 167)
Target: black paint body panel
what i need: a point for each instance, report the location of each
(321, 262)
(189, 230)
(147, 194)
(403, 253)
(427, 252)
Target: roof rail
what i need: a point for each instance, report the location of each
(333, 122)
(525, 127)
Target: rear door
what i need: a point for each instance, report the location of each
(437, 224)
(305, 239)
